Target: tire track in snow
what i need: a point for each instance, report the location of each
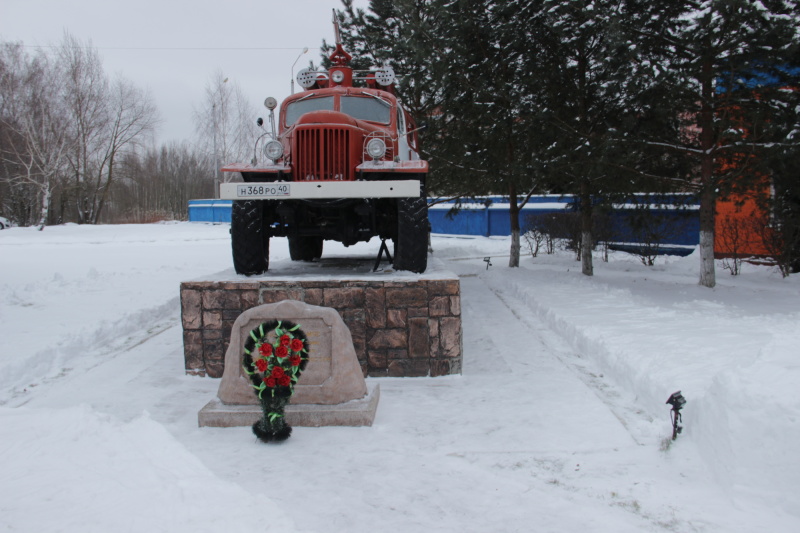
(538, 338)
(619, 403)
(88, 350)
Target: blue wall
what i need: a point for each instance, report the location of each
(489, 216)
(210, 210)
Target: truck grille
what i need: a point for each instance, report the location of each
(323, 155)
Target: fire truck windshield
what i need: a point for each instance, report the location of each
(363, 108)
(299, 108)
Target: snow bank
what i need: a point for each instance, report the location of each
(732, 351)
(103, 476)
(72, 294)
(748, 424)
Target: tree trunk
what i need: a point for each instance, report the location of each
(585, 201)
(106, 187)
(45, 205)
(513, 213)
(708, 197)
(587, 237)
(707, 222)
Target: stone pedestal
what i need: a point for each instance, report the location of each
(353, 413)
(402, 325)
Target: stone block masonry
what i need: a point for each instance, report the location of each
(400, 327)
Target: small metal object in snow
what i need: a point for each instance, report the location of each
(677, 401)
(488, 261)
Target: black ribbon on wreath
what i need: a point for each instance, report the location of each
(275, 354)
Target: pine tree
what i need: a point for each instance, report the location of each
(460, 75)
(715, 58)
(595, 98)
(590, 91)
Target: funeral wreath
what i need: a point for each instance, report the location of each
(275, 354)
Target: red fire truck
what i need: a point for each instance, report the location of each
(343, 165)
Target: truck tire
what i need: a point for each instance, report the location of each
(249, 239)
(411, 243)
(305, 248)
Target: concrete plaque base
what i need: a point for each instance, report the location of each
(359, 412)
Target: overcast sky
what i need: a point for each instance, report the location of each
(173, 47)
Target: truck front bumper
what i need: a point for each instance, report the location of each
(308, 190)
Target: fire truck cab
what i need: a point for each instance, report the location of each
(342, 164)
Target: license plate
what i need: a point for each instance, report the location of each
(263, 190)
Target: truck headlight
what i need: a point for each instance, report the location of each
(273, 150)
(376, 148)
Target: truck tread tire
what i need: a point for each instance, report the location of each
(411, 244)
(249, 239)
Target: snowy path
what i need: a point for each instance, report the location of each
(531, 438)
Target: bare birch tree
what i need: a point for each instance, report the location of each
(132, 116)
(35, 144)
(105, 118)
(87, 96)
(226, 123)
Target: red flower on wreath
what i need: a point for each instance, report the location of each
(278, 372)
(295, 360)
(282, 351)
(270, 382)
(284, 381)
(261, 364)
(265, 350)
(285, 340)
(296, 345)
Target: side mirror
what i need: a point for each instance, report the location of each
(260, 122)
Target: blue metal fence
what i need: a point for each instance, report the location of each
(210, 210)
(489, 216)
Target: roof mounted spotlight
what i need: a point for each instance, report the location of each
(385, 76)
(270, 103)
(677, 401)
(306, 78)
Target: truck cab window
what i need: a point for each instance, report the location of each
(299, 108)
(366, 108)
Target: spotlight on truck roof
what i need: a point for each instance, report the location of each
(385, 76)
(306, 78)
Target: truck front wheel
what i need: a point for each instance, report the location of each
(249, 238)
(411, 243)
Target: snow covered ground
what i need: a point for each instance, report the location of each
(558, 422)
